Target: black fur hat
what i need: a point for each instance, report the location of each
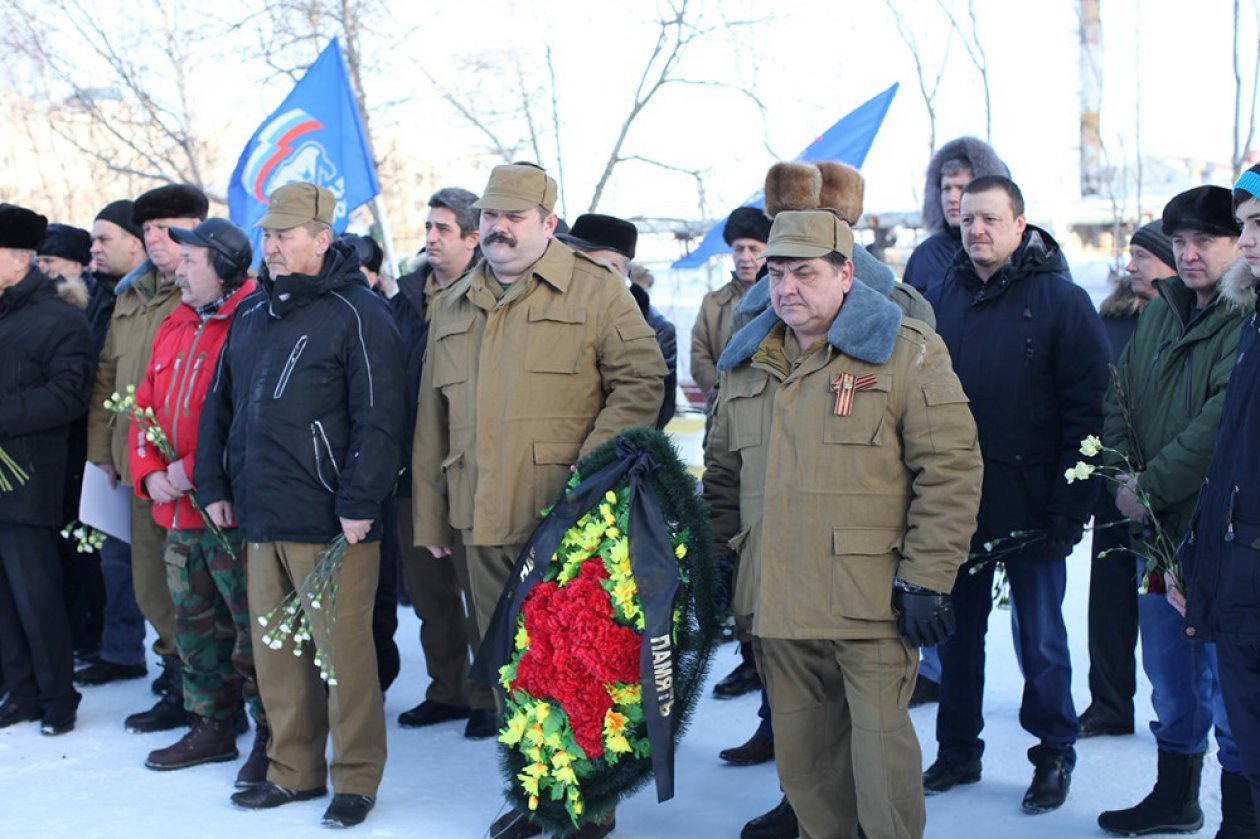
(598, 232)
(73, 243)
(746, 223)
(171, 201)
(1209, 209)
(20, 228)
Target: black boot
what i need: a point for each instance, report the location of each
(944, 774)
(170, 677)
(1238, 810)
(167, 713)
(1172, 807)
(743, 679)
(253, 771)
(1052, 777)
(779, 823)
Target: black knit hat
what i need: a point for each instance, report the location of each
(1208, 209)
(20, 228)
(73, 243)
(746, 223)
(598, 232)
(1151, 236)
(172, 201)
(119, 212)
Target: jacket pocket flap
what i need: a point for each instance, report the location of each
(635, 331)
(1247, 534)
(453, 459)
(874, 541)
(743, 387)
(546, 454)
(944, 393)
(557, 315)
(452, 327)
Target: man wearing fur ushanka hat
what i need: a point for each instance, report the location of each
(44, 384)
(745, 233)
(1219, 558)
(1174, 379)
(145, 296)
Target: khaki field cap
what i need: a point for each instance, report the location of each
(805, 234)
(515, 187)
(295, 204)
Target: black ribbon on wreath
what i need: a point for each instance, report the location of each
(656, 576)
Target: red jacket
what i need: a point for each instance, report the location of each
(181, 370)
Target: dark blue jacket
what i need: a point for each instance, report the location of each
(1220, 561)
(931, 260)
(1032, 357)
(304, 421)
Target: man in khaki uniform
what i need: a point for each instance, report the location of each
(745, 233)
(534, 358)
(843, 468)
(145, 297)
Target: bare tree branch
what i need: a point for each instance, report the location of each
(975, 51)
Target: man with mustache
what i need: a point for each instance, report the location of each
(534, 358)
(1032, 357)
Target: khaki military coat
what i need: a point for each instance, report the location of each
(713, 328)
(516, 389)
(825, 511)
(144, 301)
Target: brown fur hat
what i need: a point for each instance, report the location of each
(842, 189)
(792, 186)
(811, 186)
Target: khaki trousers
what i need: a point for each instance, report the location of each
(148, 574)
(298, 709)
(489, 567)
(846, 750)
(439, 589)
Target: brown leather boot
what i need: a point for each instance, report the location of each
(208, 741)
(254, 769)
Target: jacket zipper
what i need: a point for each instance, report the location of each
(182, 385)
(174, 386)
(288, 367)
(1229, 526)
(317, 434)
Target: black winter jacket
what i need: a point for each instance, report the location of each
(304, 422)
(1032, 357)
(931, 260)
(46, 371)
(1220, 561)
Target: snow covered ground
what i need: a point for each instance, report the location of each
(92, 782)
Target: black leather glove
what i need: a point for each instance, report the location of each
(925, 618)
(1062, 535)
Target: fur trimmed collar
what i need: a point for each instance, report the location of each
(865, 329)
(1238, 285)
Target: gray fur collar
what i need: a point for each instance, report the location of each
(1238, 286)
(984, 161)
(131, 276)
(866, 269)
(865, 329)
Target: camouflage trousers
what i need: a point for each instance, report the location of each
(212, 631)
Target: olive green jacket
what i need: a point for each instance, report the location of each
(1167, 393)
(515, 390)
(144, 301)
(824, 510)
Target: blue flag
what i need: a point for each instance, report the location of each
(316, 136)
(847, 141)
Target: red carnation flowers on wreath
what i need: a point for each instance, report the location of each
(594, 651)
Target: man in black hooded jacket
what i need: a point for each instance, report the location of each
(1032, 357)
(301, 439)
